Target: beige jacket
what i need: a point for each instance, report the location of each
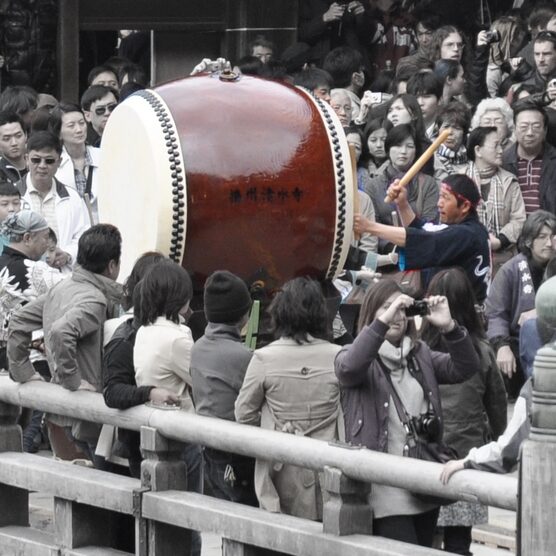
(291, 388)
(504, 204)
(72, 315)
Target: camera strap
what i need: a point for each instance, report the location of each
(417, 374)
(404, 416)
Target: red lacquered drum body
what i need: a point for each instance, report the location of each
(252, 176)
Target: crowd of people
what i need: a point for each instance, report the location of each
(446, 267)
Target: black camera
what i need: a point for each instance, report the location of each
(427, 425)
(492, 36)
(419, 308)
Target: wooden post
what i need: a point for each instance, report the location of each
(163, 469)
(346, 508)
(537, 505)
(16, 512)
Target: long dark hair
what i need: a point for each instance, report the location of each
(299, 310)
(532, 227)
(439, 36)
(455, 285)
(142, 264)
(398, 134)
(412, 106)
(163, 291)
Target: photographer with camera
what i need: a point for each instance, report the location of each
(385, 364)
(324, 25)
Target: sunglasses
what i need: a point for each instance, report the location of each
(47, 160)
(108, 108)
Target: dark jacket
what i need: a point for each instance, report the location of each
(365, 390)
(352, 30)
(219, 360)
(120, 390)
(464, 244)
(547, 185)
(476, 87)
(9, 172)
(464, 405)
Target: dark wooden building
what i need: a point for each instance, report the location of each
(183, 31)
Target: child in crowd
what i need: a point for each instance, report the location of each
(218, 363)
(50, 253)
(10, 203)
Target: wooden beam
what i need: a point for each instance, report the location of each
(169, 15)
(272, 531)
(70, 482)
(355, 462)
(26, 540)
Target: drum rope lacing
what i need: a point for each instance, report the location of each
(340, 173)
(178, 194)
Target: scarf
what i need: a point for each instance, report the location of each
(490, 209)
(395, 357)
(454, 157)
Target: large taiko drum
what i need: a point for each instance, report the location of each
(250, 175)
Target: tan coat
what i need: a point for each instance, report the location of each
(291, 388)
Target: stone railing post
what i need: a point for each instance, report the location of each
(537, 505)
(14, 502)
(346, 509)
(163, 469)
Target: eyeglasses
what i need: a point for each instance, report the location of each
(46, 159)
(495, 146)
(107, 108)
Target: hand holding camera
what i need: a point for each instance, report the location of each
(440, 315)
(488, 37)
(396, 309)
(334, 13)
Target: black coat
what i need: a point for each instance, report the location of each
(353, 30)
(120, 390)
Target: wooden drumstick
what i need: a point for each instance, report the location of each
(353, 158)
(420, 162)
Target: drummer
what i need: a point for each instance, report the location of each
(459, 240)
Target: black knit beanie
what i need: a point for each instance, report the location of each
(226, 297)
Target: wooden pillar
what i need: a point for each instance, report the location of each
(163, 469)
(537, 505)
(246, 19)
(68, 50)
(16, 512)
(346, 508)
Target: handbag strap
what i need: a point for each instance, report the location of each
(89, 183)
(398, 404)
(402, 412)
